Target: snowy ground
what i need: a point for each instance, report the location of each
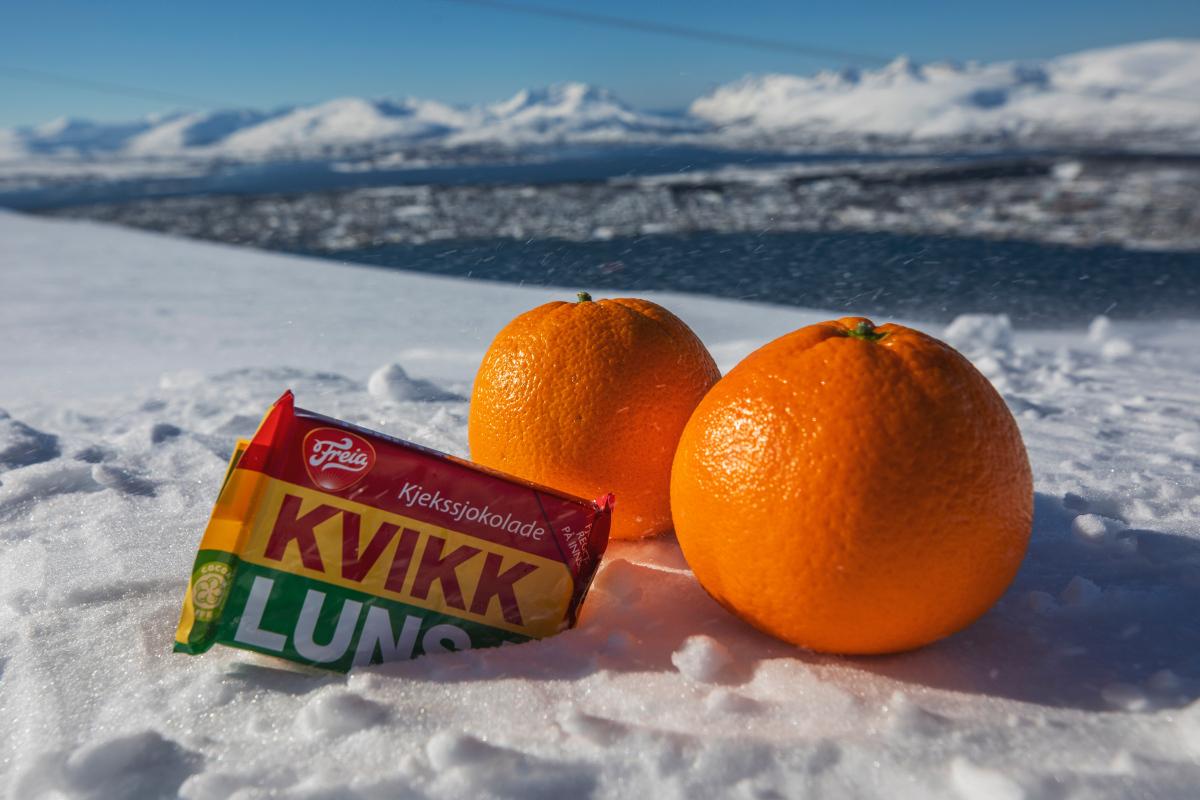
(131, 362)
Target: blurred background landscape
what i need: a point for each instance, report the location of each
(1035, 162)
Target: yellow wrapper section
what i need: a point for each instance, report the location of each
(286, 527)
(363, 548)
(226, 525)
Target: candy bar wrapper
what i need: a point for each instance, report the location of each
(334, 546)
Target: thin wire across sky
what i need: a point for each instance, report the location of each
(805, 50)
(680, 31)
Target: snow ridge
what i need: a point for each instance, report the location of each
(1147, 87)
(1143, 87)
(562, 112)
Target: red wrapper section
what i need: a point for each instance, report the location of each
(422, 483)
(334, 545)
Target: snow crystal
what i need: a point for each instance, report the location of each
(448, 750)
(1096, 528)
(727, 701)
(979, 332)
(1187, 722)
(126, 767)
(702, 658)
(92, 454)
(1124, 696)
(1188, 442)
(21, 445)
(477, 768)
(973, 782)
(1115, 349)
(1067, 171)
(596, 730)
(164, 432)
(906, 717)
(338, 712)
(40, 482)
(1089, 526)
(122, 480)
(391, 382)
(1099, 329)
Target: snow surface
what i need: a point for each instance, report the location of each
(133, 361)
(1147, 87)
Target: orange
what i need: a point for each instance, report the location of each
(853, 489)
(590, 397)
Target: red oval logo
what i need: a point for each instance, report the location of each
(336, 460)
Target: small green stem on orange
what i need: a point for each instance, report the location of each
(584, 297)
(865, 331)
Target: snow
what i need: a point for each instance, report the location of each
(197, 131)
(11, 145)
(341, 121)
(391, 382)
(702, 658)
(572, 112)
(566, 112)
(1093, 527)
(21, 445)
(1166, 68)
(134, 361)
(992, 331)
(1140, 87)
(980, 783)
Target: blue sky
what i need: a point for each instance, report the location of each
(269, 54)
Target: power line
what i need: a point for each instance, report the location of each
(754, 42)
(679, 31)
(143, 93)
(106, 87)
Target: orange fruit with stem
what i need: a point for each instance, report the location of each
(853, 489)
(591, 397)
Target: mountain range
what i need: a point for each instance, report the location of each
(1140, 88)
(1146, 89)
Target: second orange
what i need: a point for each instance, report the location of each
(591, 397)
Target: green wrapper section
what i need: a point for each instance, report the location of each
(312, 622)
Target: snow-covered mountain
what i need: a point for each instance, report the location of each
(1146, 87)
(569, 112)
(1150, 87)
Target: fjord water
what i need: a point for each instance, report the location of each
(917, 276)
(922, 277)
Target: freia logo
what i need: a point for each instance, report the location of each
(335, 459)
